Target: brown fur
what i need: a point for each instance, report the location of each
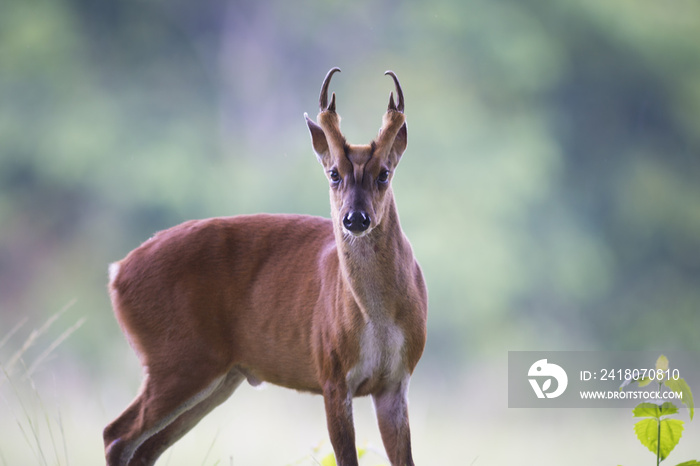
(289, 299)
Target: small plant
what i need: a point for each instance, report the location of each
(43, 433)
(657, 430)
(329, 459)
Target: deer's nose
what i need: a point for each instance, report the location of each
(356, 222)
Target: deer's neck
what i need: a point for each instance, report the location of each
(377, 267)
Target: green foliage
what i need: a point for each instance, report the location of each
(659, 435)
(548, 178)
(681, 386)
(329, 459)
(654, 410)
(656, 431)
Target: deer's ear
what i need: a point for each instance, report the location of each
(399, 145)
(318, 141)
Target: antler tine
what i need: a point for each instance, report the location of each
(392, 105)
(323, 99)
(399, 94)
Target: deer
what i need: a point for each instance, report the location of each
(336, 307)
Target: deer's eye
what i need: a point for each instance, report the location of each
(334, 176)
(383, 177)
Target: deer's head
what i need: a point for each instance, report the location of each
(359, 175)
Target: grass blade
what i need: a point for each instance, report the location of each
(9, 367)
(44, 355)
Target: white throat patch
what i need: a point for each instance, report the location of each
(381, 355)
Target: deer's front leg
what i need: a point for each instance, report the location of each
(391, 406)
(338, 403)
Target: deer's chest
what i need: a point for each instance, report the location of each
(380, 361)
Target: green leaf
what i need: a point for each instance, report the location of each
(671, 432)
(689, 463)
(662, 363)
(680, 386)
(329, 460)
(668, 408)
(642, 382)
(645, 381)
(647, 431)
(654, 410)
(646, 410)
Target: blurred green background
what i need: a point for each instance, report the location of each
(551, 191)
